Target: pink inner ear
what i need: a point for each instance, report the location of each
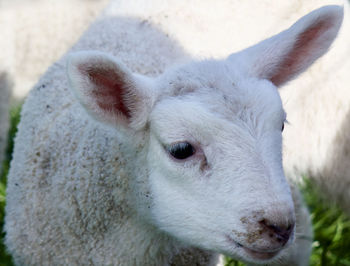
(293, 63)
(109, 89)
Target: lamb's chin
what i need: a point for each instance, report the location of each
(251, 255)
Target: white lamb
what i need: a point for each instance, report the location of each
(132, 164)
(34, 34)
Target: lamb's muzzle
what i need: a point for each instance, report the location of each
(278, 232)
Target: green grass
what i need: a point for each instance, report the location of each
(5, 259)
(331, 245)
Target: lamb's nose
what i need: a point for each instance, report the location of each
(278, 232)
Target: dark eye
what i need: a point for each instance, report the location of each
(282, 127)
(181, 150)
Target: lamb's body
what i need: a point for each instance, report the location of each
(85, 193)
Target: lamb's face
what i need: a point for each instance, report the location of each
(215, 163)
(214, 136)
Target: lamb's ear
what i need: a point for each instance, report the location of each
(108, 90)
(287, 54)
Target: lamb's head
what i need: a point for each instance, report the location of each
(211, 137)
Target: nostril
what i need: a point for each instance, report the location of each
(281, 233)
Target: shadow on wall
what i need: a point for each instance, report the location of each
(335, 176)
(5, 92)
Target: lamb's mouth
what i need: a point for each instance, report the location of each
(260, 255)
(256, 254)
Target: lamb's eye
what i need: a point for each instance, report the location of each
(181, 150)
(282, 127)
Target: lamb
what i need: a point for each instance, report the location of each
(143, 158)
(27, 30)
